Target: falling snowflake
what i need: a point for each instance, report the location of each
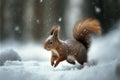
(60, 19)
(97, 9)
(17, 28)
(37, 21)
(41, 1)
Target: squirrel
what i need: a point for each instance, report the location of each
(75, 49)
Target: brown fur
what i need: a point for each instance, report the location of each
(70, 49)
(84, 27)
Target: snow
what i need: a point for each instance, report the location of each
(103, 50)
(17, 28)
(97, 9)
(41, 1)
(27, 51)
(37, 21)
(9, 55)
(31, 70)
(60, 19)
(35, 64)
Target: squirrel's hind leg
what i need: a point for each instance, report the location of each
(71, 59)
(81, 61)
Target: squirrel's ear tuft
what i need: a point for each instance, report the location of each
(52, 30)
(56, 31)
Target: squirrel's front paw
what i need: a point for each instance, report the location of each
(55, 65)
(52, 63)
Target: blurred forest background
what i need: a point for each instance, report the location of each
(30, 20)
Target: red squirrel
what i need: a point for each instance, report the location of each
(75, 49)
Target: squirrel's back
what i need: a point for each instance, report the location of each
(83, 28)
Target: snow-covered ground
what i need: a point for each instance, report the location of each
(34, 70)
(9, 55)
(35, 65)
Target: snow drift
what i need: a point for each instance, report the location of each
(34, 70)
(9, 55)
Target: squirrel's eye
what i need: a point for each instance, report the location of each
(51, 42)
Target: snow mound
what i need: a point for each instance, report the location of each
(34, 70)
(9, 55)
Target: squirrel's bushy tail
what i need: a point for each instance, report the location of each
(83, 28)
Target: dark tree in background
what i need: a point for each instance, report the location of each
(11, 19)
(110, 12)
(25, 20)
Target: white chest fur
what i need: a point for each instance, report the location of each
(55, 52)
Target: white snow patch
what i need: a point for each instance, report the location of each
(9, 55)
(43, 71)
(106, 48)
(28, 51)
